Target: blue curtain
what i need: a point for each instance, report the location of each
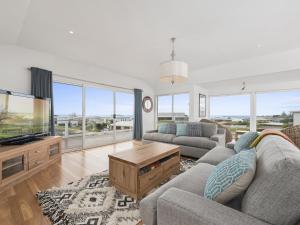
(138, 118)
(41, 87)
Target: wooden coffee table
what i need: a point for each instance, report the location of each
(138, 170)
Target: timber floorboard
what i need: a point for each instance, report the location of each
(18, 204)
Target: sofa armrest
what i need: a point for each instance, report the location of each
(151, 131)
(220, 138)
(230, 145)
(178, 207)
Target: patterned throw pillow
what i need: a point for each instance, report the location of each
(231, 177)
(162, 128)
(167, 128)
(194, 129)
(245, 141)
(171, 128)
(181, 129)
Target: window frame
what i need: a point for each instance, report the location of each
(172, 105)
(84, 86)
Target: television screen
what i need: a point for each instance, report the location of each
(22, 116)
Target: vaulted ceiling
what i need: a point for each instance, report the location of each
(132, 36)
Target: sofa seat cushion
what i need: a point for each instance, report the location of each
(217, 155)
(193, 180)
(199, 142)
(168, 138)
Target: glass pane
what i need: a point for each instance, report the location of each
(277, 110)
(99, 117)
(233, 112)
(68, 114)
(181, 107)
(164, 108)
(124, 116)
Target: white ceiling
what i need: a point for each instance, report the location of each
(132, 36)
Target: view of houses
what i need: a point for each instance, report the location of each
(240, 124)
(98, 129)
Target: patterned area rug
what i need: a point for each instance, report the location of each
(93, 201)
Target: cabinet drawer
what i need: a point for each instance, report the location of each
(38, 154)
(147, 179)
(169, 164)
(35, 163)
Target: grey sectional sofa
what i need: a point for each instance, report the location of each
(192, 146)
(273, 197)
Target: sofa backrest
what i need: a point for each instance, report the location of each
(274, 194)
(209, 129)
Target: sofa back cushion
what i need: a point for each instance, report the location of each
(208, 129)
(167, 128)
(194, 129)
(274, 194)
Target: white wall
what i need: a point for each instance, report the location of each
(14, 75)
(266, 64)
(285, 80)
(296, 120)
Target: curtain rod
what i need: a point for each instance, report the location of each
(72, 78)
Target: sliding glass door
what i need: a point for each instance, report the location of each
(107, 115)
(124, 115)
(68, 114)
(99, 110)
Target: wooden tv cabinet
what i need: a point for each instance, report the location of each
(19, 162)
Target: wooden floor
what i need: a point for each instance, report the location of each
(18, 205)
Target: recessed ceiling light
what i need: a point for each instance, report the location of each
(71, 32)
(259, 45)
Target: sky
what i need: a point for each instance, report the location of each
(271, 103)
(99, 102)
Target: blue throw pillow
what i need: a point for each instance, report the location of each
(162, 128)
(245, 141)
(167, 128)
(181, 129)
(231, 177)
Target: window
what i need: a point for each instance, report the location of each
(67, 101)
(232, 111)
(99, 110)
(173, 107)
(275, 110)
(181, 107)
(124, 116)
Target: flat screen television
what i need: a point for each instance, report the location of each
(22, 117)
